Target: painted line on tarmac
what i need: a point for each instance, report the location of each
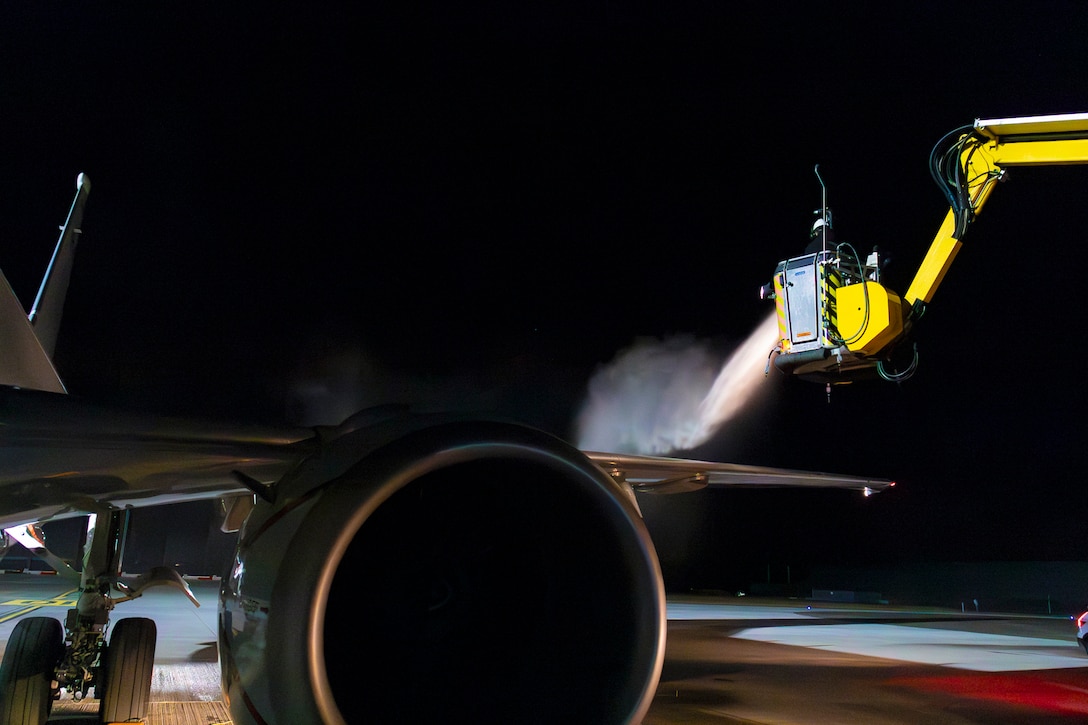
(66, 600)
(976, 651)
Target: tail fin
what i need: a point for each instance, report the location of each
(27, 342)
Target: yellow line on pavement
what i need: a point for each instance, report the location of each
(29, 605)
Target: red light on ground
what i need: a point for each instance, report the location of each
(1046, 692)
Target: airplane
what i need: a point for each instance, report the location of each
(399, 565)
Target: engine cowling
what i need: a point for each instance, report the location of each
(478, 572)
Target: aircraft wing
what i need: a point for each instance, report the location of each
(654, 474)
(24, 361)
(62, 457)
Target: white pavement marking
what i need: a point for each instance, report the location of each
(963, 650)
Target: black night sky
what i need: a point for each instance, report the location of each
(478, 206)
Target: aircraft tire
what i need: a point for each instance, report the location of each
(129, 659)
(27, 671)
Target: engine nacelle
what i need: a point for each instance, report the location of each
(483, 572)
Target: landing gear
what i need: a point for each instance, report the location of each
(126, 673)
(44, 657)
(27, 671)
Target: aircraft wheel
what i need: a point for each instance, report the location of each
(130, 656)
(27, 671)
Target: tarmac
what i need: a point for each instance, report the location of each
(728, 660)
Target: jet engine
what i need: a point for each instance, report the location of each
(443, 571)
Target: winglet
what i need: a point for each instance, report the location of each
(27, 342)
(48, 306)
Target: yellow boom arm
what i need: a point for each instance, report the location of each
(983, 154)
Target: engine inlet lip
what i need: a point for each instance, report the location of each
(372, 481)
